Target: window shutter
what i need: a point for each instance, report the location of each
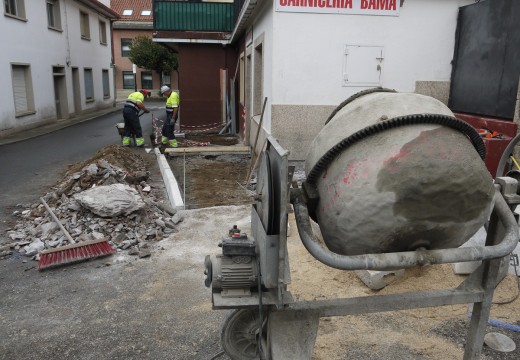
(19, 90)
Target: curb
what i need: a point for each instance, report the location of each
(172, 187)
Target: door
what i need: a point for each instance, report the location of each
(76, 93)
(57, 98)
(485, 67)
(60, 92)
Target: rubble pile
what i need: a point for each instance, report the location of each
(109, 196)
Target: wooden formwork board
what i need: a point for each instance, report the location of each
(203, 150)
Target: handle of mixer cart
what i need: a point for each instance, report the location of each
(400, 260)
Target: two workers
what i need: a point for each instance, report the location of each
(135, 103)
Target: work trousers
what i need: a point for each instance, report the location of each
(168, 128)
(132, 123)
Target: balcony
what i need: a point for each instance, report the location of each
(195, 16)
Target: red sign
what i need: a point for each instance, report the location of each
(354, 7)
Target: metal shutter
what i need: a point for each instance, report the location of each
(20, 89)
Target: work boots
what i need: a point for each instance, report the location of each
(169, 143)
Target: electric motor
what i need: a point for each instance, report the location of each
(234, 272)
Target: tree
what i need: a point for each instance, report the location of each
(149, 55)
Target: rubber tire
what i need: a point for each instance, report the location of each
(238, 334)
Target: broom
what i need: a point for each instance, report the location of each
(72, 253)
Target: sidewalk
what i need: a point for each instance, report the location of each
(42, 129)
(38, 129)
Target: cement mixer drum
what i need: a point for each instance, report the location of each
(397, 172)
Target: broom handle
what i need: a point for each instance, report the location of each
(71, 240)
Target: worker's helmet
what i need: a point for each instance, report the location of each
(164, 89)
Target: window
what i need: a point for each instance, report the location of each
(166, 78)
(84, 25)
(102, 32)
(89, 85)
(125, 47)
(128, 80)
(106, 84)
(128, 12)
(15, 8)
(146, 80)
(53, 14)
(146, 12)
(22, 89)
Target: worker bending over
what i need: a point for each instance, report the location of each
(133, 105)
(172, 114)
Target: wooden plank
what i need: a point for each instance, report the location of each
(240, 149)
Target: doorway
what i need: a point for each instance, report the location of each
(76, 93)
(60, 92)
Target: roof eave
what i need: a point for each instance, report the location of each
(135, 25)
(101, 8)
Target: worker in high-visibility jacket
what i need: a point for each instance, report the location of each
(172, 114)
(133, 105)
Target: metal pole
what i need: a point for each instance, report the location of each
(184, 181)
(134, 70)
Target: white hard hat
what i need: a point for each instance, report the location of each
(164, 89)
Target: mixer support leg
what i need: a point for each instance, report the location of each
(291, 334)
(481, 310)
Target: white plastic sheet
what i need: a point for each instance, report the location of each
(111, 200)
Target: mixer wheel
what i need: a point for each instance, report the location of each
(239, 334)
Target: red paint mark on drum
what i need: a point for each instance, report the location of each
(331, 188)
(356, 170)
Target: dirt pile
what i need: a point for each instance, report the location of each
(36, 230)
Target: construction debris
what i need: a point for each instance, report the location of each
(109, 196)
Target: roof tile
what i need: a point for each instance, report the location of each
(136, 5)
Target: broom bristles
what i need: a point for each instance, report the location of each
(74, 253)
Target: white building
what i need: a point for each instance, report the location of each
(307, 56)
(55, 62)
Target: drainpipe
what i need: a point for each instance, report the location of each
(112, 61)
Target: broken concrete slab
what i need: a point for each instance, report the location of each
(376, 280)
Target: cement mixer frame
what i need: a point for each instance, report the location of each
(269, 324)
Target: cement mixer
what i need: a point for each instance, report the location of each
(394, 181)
(396, 172)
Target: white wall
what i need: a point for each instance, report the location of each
(308, 49)
(32, 42)
(264, 25)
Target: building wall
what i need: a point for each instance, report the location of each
(262, 34)
(34, 44)
(124, 64)
(309, 60)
